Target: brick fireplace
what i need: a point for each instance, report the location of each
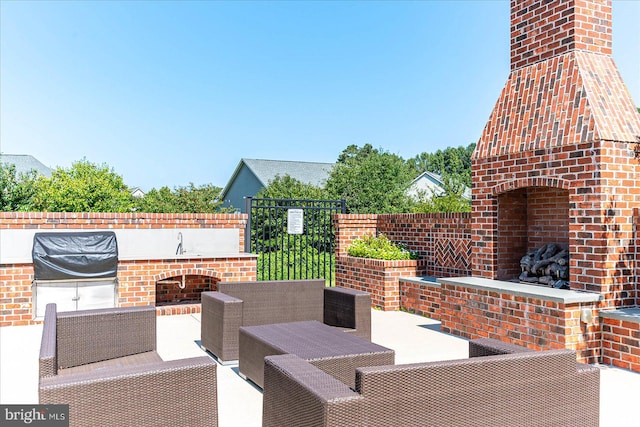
(557, 161)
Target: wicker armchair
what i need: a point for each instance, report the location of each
(498, 385)
(103, 364)
(239, 304)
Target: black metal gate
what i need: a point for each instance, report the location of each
(294, 238)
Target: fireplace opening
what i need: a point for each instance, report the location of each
(548, 266)
(532, 220)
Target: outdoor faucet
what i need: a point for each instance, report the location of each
(180, 249)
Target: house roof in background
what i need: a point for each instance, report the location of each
(307, 172)
(313, 173)
(434, 177)
(436, 181)
(25, 163)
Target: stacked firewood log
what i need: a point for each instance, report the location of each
(547, 265)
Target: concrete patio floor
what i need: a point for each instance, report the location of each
(414, 338)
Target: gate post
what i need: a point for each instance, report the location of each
(247, 230)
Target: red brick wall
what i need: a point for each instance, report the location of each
(442, 241)
(512, 235)
(421, 298)
(378, 277)
(634, 294)
(541, 29)
(534, 323)
(351, 227)
(15, 294)
(621, 343)
(94, 220)
(136, 279)
(548, 217)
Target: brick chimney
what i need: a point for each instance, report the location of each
(556, 160)
(543, 29)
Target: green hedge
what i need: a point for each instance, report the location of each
(379, 248)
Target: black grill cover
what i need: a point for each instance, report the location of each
(75, 255)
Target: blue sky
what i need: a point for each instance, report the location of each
(168, 93)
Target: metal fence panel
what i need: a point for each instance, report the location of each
(294, 238)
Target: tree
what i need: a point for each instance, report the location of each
(370, 180)
(286, 187)
(450, 161)
(85, 187)
(190, 199)
(16, 190)
(202, 199)
(158, 201)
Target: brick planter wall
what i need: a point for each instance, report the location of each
(442, 240)
(378, 277)
(351, 227)
(136, 278)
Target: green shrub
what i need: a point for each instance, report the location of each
(379, 248)
(297, 259)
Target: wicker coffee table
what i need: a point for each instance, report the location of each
(334, 351)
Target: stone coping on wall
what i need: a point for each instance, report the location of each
(187, 256)
(421, 280)
(624, 314)
(519, 289)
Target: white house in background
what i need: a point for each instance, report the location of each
(25, 163)
(251, 175)
(429, 184)
(137, 192)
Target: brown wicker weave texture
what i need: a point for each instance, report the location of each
(89, 336)
(258, 303)
(125, 387)
(523, 388)
(349, 309)
(297, 393)
(327, 348)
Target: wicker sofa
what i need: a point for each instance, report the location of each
(237, 304)
(499, 385)
(103, 364)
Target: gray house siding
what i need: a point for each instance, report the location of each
(245, 184)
